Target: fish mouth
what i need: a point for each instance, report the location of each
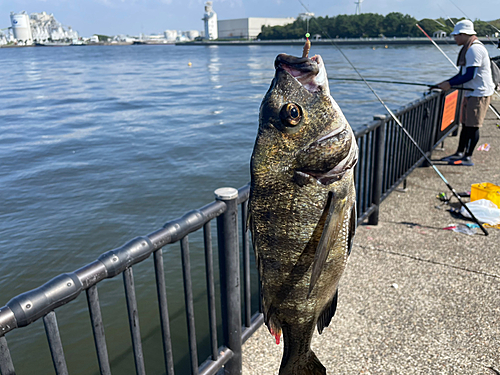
(309, 72)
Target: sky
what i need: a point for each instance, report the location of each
(132, 17)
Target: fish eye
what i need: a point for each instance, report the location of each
(290, 114)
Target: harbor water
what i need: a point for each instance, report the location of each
(100, 144)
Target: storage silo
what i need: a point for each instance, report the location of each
(21, 27)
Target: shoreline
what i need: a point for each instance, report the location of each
(339, 41)
(298, 42)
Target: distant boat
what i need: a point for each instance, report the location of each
(59, 44)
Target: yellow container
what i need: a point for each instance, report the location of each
(485, 190)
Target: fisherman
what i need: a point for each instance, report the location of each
(475, 73)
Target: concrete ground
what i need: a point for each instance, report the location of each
(415, 299)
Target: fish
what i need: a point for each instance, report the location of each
(302, 206)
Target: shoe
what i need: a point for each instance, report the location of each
(456, 156)
(466, 161)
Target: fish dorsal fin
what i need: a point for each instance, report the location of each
(326, 316)
(333, 224)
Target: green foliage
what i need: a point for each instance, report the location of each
(496, 23)
(486, 28)
(368, 25)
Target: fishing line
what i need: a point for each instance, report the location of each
(440, 7)
(459, 9)
(402, 128)
(466, 16)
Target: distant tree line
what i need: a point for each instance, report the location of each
(368, 25)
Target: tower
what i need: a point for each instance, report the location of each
(210, 18)
(358, 6)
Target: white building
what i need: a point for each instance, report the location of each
(170, 35)
(21, 27)
(39, 27)
(439, 34)
(210, 18)
(3, 39)
(45, 27)
(192, 34)
(248, 28)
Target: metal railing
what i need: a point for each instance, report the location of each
(386, 159)
(387, 156)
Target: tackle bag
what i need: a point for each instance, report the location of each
(495, 72)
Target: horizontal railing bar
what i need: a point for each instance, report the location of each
(368, 128)
(177, 229)
(366, 214)
(243, 194)
(371, 126)
(210, 367)
(8, 320)
(256, 322)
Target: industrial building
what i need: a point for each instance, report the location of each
(39, 28)
(21, 27)
(248, 28)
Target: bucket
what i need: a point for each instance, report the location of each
(485, 190)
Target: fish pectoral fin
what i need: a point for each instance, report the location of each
(352, 227)
(326, 316)
(333, 217)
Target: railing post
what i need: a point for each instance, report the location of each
(378, 172)
(229, 268)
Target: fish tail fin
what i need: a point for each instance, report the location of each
(298, 358)
(309, 364)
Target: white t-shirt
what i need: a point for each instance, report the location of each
(482, 83)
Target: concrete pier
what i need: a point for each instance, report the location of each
(415, 299)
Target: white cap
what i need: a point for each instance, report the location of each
(464, 27)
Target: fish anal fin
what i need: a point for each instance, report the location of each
(326, 316)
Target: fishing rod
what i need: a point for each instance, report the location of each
(396, 83)
(466, 16)
(493, 109)
(483, 229)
